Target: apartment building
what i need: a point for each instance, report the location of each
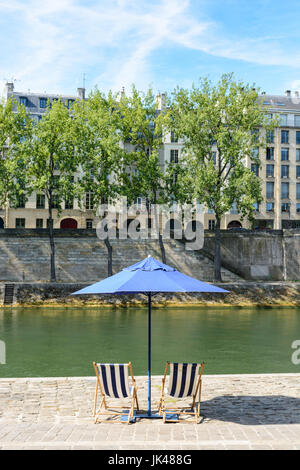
(33, 213)
(279, 171)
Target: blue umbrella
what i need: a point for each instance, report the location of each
(148, 277)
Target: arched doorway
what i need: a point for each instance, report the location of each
(234, 224)
(68, 223)
(1, 223)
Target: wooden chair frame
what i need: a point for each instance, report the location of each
(194, 409)
(114, 410)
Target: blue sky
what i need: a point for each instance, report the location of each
(48, 45)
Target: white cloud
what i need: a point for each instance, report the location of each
(113, 41)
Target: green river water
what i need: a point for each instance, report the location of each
(46, 342)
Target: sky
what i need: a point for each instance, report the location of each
(56, 46)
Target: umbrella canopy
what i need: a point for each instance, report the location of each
(149, 277)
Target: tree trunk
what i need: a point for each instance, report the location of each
(162, 248)
(109, 256)
(52, 246)
(218, 276)
(160, 238)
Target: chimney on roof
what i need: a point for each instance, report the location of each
(81, 93)
(288, 92)
(9, 87)
(297, 94)
(123, 92)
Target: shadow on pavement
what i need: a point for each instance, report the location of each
(252, 410)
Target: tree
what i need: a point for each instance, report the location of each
(142, 127)
(99, 152)
(229, 116)
(52, 163)
(15, 128)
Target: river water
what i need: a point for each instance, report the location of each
(56, 342)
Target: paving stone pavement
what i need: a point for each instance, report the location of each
(238, 412)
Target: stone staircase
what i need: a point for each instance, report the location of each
(84, 259)
(192, 263)
(9, 294)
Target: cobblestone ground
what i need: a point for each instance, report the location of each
(238, 412)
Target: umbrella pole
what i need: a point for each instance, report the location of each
(149, 354)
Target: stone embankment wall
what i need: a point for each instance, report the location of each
(82, 257)
(240, 294)
(268, 255)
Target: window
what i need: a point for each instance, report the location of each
(89, 223)
(270, 190)
(43, 102)
(270, 171)
(69, 203)
(285, 207)
(20, 223)
(55, 180)
(211, 224)
(214, 157)
(285, 190)
(174, 156)
(233, 209)
(284, 154)
(40, 201)
(297, 171)
(89, 201)
(297, 190)
(270, 137)
(297, 120)
(256, 206)
(283, 119)
(20, 201)
(284, 171)
(255, 168)
(55, 202)
(270, 207)
(254, 152)
(297, 137)
(298, 208)
(284, 137)
(270, 153)
(297, 155)
(39, 223)
(23, 100)
(255, 134)
(174, 138)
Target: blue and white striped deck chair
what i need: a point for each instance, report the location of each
(185, 380)
(113, 382)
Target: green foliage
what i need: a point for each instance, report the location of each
(51, 157)
(15, 129)
(98, 146)
(228, 115)
(141, 129)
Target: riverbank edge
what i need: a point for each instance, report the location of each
(241, 294)
(145, 377)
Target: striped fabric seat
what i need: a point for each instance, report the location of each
(114, 380)
(183, 379)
